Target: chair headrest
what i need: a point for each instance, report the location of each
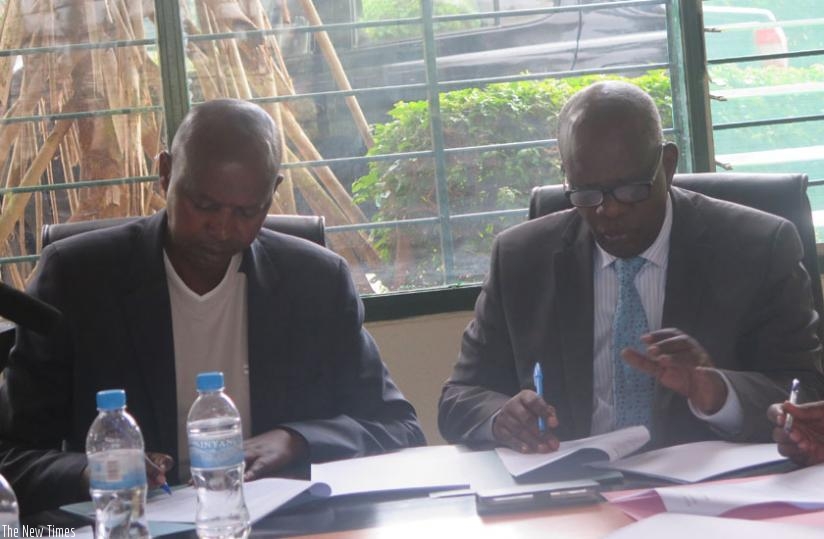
(309, 227)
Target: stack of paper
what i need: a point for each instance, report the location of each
(689, 463)
(604, 447)
(171, 514)
(262, 497)
(759, 498)
(422, 468)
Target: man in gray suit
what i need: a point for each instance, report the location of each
(722, 305)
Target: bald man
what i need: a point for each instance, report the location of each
(199, 287)
(716, 295)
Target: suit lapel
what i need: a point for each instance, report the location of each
(686, 283)
(148, 312)
(268, 338)
(573, 288)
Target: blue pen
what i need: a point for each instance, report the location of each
(788, 421)
(538, 380)
(165, 486)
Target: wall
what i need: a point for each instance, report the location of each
(420, 353)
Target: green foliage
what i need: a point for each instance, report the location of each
(500, 179)
(477, 181)
(375, 10)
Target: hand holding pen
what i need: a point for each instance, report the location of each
(525, 422)
(788, 419)
(157, 464)
(799, 428)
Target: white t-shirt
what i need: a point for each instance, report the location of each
(210, 334)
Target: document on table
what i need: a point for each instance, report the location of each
(422, 468)
(604, 447)
(763, 497)
(689, 463)
(673, 526)
(262, 497)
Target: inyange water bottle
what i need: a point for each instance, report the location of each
(216, 456)
(114, 447)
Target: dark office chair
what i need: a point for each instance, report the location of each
(784, 195)
(308, 227)
(6, 342)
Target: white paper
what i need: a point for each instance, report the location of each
(803, 489)
(262, 497)
(674, 526)
(421, 468)
(611, 446)
(689, 463)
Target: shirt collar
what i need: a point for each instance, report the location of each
(657, 253)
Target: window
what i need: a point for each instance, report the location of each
(417, 128)
(766, 68)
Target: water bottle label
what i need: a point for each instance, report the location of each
(219, 451)
(117, 469)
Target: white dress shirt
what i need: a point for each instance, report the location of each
(651, 283)
(210, 334)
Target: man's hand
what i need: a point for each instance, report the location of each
(157, 464)
(805, 442)
(516, 425)
(272, 451)
(681, 364)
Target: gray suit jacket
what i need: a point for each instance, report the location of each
(734, 282)
(312, 367)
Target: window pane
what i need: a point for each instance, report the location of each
(756, 27)
(449, 183)
(768, 116)
(82, 118)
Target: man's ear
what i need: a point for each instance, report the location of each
(164, 167)
(670, 161)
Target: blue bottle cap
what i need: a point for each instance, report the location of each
(210, 381)
(111, 399)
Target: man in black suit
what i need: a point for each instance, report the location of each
(199, 287)
(725, 304)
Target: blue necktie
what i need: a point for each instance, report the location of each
(632, 389)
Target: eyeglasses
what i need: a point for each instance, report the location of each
(628, 193)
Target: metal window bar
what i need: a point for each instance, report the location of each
(428, 21)
(765, 57)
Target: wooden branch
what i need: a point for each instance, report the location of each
(327, 178)
(331, 56)
(17, 201)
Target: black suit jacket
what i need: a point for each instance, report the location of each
(312, 367)
(734, 282)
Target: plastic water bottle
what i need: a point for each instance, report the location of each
(9, 516)
(114, 447)
(216, 457)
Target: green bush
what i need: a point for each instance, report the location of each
(482, 181)
(476, 181)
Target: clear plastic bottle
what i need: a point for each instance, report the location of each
(114, 447)
(9, 515)
(216, 456)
